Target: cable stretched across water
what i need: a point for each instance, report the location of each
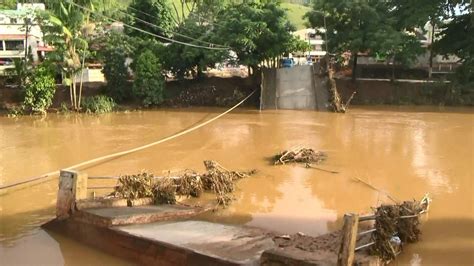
(122, 153)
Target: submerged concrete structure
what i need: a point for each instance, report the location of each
(148, 234)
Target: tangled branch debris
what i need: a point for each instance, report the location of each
(335, 98)
(221, 181)
(399, 220)
(164, 190)
(134, 186)
(300, 155)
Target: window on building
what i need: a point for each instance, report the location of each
(14, 45)
(13, 20)
(1, 45)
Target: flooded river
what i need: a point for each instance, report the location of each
(406, 152)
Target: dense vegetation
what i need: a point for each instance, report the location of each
(182, 39)
(389, 28)
(39, 89)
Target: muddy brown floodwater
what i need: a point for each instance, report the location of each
(405, 151)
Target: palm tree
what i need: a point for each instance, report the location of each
(63, 26)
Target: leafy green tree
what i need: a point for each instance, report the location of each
(256, 31)
(353, 26)
(115, 53)
(64, 26)
(39, 89)
(411, 14)
(148, 85)
(457, 38)
(197, 29)
(7, 4)
(153, 12)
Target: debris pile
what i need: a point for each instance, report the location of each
(164, 190)
(395, 226)
(300, 155)
(134, 186)
(221, 181)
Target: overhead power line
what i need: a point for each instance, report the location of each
(152, 16)
(175, 33)
(214, 26)
(149, 33)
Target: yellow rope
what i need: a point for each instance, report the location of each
(118, 154)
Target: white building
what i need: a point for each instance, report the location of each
(13, 35)
(316, 43)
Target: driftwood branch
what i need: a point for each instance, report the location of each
(376, 189)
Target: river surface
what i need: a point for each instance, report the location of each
(405, 152)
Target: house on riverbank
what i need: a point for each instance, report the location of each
(20, 35)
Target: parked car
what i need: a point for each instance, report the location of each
(287, 62)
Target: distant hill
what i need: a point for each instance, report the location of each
(295, 9)
(296, 13)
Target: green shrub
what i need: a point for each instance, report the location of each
(98, 104)
(39, 89)
(149, 82)
(63, 108)
(15, 111)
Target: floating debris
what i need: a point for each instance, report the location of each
(396, 222)
(189, 184)
(164, 190)
(132, 187)
(221, 181)
(300, 155)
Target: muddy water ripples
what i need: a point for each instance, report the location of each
(405, 151)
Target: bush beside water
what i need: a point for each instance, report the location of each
(98, 104)
(39, 89)
(149, 82)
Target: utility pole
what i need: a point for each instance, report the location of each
(27, 22)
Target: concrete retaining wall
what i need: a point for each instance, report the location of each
(403, 92)
(292, 88)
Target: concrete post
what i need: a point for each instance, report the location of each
(348, 240)
(72, 187)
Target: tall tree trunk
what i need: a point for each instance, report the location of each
(336, 102)
(81, 79)
(74, 96)
(430, 70)
(393, 68)
(354, 67)
(70, 93)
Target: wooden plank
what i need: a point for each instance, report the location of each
(348, 240)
